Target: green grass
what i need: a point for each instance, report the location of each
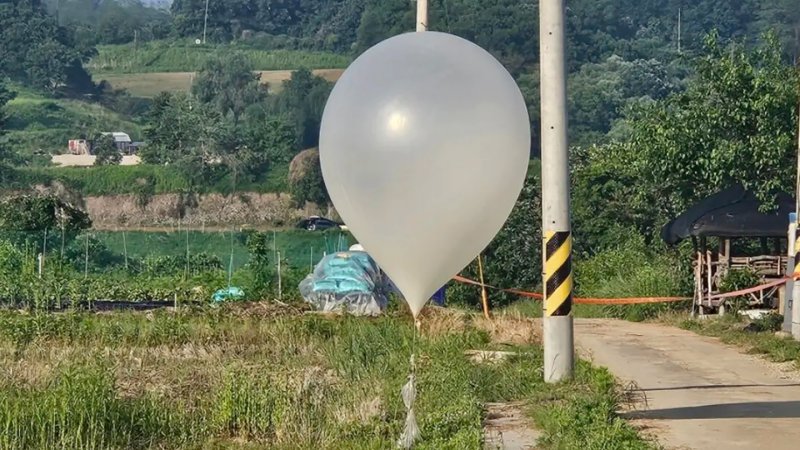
(180, 56)
(150, 84)
(116, 180)
(731, 330)
(39, 125)
(263, 377)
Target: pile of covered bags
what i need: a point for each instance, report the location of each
(348, 282)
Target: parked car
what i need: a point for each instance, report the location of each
(315, 223)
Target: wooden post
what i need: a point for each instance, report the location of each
(698, 281)
(708, 274)
(484, 299)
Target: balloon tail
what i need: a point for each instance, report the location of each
(411, 431)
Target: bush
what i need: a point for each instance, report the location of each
(738, 279)
(633, 270)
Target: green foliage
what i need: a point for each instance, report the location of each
(586, 418)
(39, 126)
(183, 56)
(736, 122)
(38, 52)
(631, 269)
(104, 147)
(79, 409)
(514, 258)
(33, 213)
(110, 22)
(757, 338)
(302, 101)
(289, 381)
(193, 264)
(5, 155)
(770, 322)
(260, 247)
(738, 279)
(600, 92)
(228, 82)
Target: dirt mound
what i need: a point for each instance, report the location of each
(195, 211)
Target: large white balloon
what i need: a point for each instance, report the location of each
(424, 147)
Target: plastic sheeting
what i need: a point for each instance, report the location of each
(346, 281)
(232, 293)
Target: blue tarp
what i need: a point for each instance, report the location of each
(346, 281)
(232, 293)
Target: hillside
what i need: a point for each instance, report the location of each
(39, 126)
(148, 85)
(185, 56)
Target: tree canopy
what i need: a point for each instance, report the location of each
(735, 123)
(38, 52)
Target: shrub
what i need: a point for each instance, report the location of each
(632, 270)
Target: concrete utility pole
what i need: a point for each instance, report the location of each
(205, 23)
(559, 348)
(791, 262)
(422, 15)
(796, 286)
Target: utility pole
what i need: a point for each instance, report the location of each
(205, 24)
(422, 15)
(796, 285)
(559, 348)
(679, 30)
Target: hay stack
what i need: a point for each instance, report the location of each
(302, 164)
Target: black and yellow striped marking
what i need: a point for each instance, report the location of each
(557, 273)
(797, 255)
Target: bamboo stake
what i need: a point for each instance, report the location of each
(484, 299)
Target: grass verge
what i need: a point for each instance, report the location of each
(255, 376)
(181, 56)
(757, 337)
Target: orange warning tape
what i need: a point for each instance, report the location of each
(632, 300)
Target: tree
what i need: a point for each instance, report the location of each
(735, 123)
(38, 52)
(302, 101)
(184, 132)
(228, 82)
(600, 92)
(105, 150)
(5, 155)
(33, 214)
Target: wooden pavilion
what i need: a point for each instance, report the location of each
(729, 231)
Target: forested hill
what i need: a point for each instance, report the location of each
(596, 28)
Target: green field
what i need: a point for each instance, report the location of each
(298, 248)
(261, 376)
(115, 180)
(40, 126)
(149, 84)
(180, 56)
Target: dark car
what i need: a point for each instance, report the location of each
(314, 223)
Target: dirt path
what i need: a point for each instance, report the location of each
(508, 428)
(700, 393)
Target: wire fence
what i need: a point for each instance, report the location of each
(57, 269)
